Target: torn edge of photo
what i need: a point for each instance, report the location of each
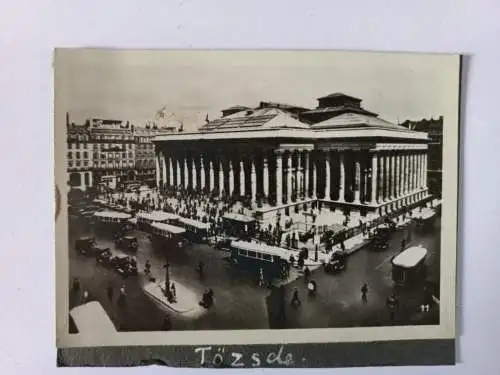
(256, 208)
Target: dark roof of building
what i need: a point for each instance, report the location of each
(355, 120)
(282, 106)
(425, 125)
(339, 95)
(242, 107)
(337, 110)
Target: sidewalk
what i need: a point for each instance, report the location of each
(187, 302)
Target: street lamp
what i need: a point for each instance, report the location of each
(167, 280)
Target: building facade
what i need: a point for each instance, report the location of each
(434, 127)
(279, 156)
(145, 165)
(108, 153)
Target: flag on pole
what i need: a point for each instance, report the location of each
(206, 119)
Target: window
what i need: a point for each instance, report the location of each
(267, 257)
(70, 155)
(70, 163)
(243, 252)
(78, 154)
(85, 155)
(85, 145)
(130, 155)
(78, 163)
(86, 163)
(252, 254)
(103, 156)
(124, 155)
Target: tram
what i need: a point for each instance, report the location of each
(111, 220)
(90, 321)
(196, 231)
(239, 226)
(409, 268)
(254, 257)
(166, 235)
(145, 219)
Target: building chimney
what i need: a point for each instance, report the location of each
(67, 118)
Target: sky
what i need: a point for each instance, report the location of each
(134, 85)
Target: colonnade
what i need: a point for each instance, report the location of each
(370, 177)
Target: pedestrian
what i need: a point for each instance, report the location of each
(85, 297)
(392, 303)
(110, 292)
(307, 274)
(364, 292)
(172, 289)
(76, 285)
(167, 324)
(295, 298)
(123, 295)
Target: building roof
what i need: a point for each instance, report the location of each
(339, 95)
(346, 120)
(234, 107)
(339, 109)
(260, 118)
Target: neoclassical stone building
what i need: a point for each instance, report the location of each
(277, 155)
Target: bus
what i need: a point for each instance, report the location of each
(145, 219)
(91, 322)
(254, 257)
(111, 220)
(196, 231)
(240, 226)
(166, 235)
(409, 267)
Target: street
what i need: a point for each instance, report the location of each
(239, 302)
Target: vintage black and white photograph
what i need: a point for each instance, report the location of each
(267, 195)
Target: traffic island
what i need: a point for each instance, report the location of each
(186, 302)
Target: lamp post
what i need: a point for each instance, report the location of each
(368, 176)
(167, 280)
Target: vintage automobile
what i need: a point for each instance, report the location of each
(87, 246)
(222, 243)
(337, 263)
(380, 239)
(127, 243)
(125, 265)
(104, 257)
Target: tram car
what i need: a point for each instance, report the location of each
(254, 257)
(145, 219)
(409, 268)
(167, 236)
(239, 226)
(111, 221)
(196, 231)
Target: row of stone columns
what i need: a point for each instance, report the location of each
(377, 177)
